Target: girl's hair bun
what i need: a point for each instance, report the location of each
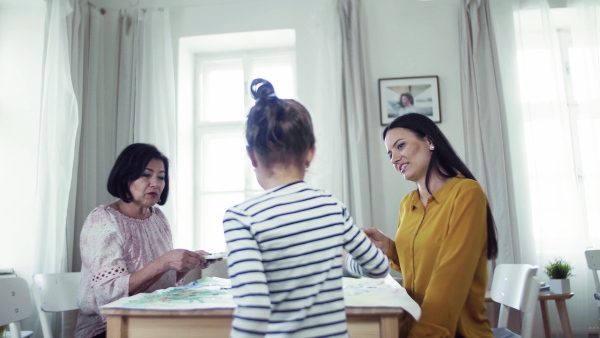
(278, 131)
(262, 89)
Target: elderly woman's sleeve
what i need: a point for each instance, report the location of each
(101, 245)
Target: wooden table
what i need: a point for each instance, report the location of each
(205, 309)
(561, 307)
(214, 323)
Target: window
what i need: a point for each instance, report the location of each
(558, 101)
(223, 175)
(557, 59)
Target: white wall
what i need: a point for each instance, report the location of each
(243, 16)
(21, 51)
(404, 39)
(226, 16)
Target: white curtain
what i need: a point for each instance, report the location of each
(97, 147)
(483, 118)
(336, 100)
(129, 97)
(319, 89)
(550, 55)
(108, 81)
(154, 111)
(58, 129)
(357, 188)
(59, 123)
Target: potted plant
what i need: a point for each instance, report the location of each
(559, 272)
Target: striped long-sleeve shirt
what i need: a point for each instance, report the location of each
(285, 262)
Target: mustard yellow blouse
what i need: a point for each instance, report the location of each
(441, 252)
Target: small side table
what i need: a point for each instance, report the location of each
(561, 307)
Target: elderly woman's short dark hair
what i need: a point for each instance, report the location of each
(130, 165)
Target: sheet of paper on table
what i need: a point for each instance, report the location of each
(204, 293)
(361, 292)
(213, 293)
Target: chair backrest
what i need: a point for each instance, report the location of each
(15, 304)
(15, 300)
(593, 261)
(516, 286)
(55, 292)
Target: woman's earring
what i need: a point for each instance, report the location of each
(431, 148)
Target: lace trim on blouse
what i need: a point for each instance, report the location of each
(111, 273)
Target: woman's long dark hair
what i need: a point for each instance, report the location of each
(444, 162)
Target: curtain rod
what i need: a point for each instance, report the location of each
(156, 4)
(103, 9)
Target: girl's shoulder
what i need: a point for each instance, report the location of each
(289, 192)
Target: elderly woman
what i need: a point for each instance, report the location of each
(126, 246)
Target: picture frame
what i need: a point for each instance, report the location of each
(423, 91)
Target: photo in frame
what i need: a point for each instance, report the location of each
(399, 96)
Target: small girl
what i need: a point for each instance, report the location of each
(286, 245)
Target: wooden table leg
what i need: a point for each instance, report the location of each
(545, 319)
(561, 306)
(116, 327)
(388, 324)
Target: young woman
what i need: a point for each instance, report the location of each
(286, 245)
(446, 232)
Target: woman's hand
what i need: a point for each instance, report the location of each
(378, 238)
(181, 260)
(205, 263)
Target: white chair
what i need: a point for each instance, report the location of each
(15, 304)
(515, 286)
(593, 261)
(55, 292)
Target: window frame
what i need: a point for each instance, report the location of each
(202, 127)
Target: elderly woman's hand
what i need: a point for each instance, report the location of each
(181, 260)
(205, 263)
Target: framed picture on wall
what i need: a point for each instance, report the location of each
(402, 95)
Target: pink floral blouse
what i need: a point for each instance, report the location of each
(113, 246)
